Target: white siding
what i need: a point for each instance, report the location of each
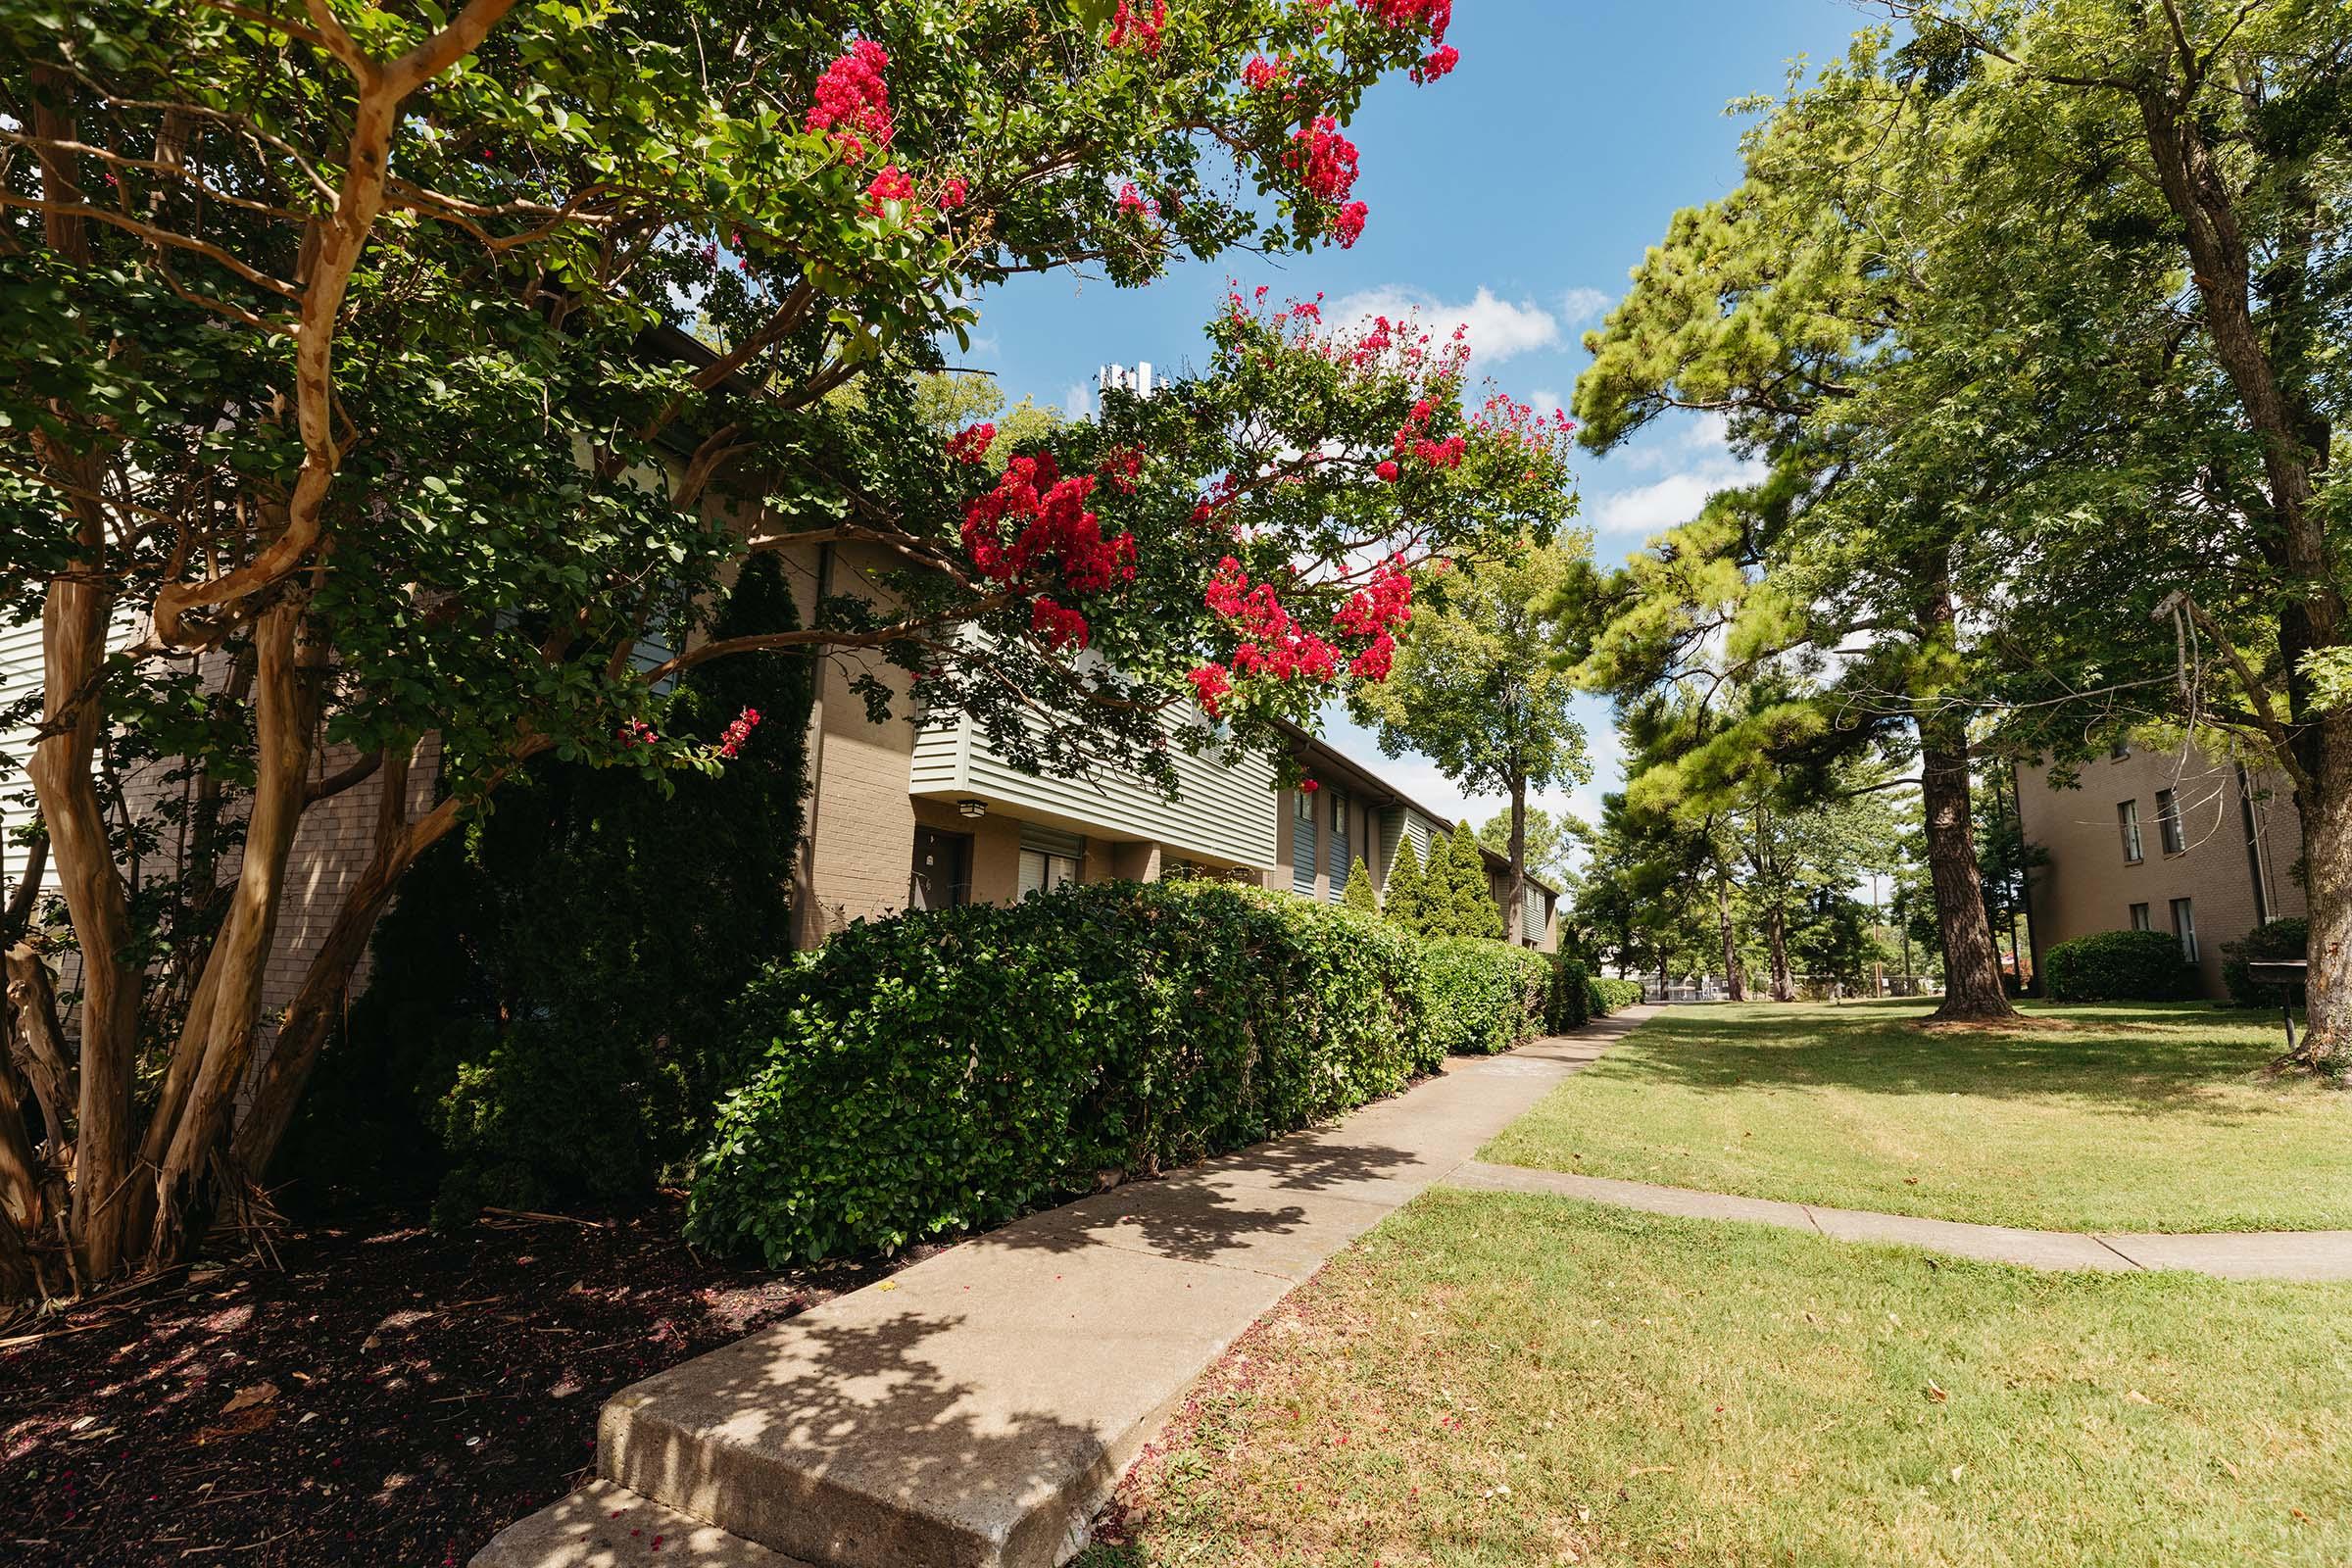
(19, 677)
(1226, 814)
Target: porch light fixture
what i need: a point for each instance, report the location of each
(972, 809)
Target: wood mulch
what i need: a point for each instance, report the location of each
(384, 1395)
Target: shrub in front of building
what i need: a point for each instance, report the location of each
(950, 1070)
(1567, 995)
(1484, 995)
(2119, 966)
(2278, 940)
(1609, 996)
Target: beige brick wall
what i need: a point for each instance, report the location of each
(2089, 885)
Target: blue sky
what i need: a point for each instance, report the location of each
(1514, 195)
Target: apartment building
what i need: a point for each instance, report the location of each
(900, 818)
(2175, 839)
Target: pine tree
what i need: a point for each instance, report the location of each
(1408, 891)
(1358, 893)
(1474, 911)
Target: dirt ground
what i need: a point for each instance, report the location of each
(383, 1396)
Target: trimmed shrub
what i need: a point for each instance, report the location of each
(2119, 966)
(1567, 996)
(545, 1022)
(1357, 894)
(950, 1070)
(1605, 997)
(1407, 901)
(2278, 939)
(1483, 996)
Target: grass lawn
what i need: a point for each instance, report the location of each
(1514, 1380)
(2132, 1118)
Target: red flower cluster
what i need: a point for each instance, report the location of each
(851, 99)
(1373, 612)
(890, 186)
(1057, 624)
(1060, 542)
(971, 446)
(1438, 61)
(1327, 163)
(1327, 158)
(1260, 74)
(1445, 453)
(1121, 466)
(731, 741)
(1127, 28)
(952, 195)
(1434, 15)
(1309, 786)
(1132, 200)
(637, 732)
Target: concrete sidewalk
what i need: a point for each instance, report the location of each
(975, 1410)
(2232, 1255)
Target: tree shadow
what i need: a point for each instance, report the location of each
(2160, 1059)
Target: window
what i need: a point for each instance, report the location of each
(2139, 918)
(2168, 822)
(2126, 818)
(1338, 809)
(2119, 750)
(2184, 926)
(1302, 806)
(1042, 871)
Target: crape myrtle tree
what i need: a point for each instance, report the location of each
(1478, 689)
(378, 373)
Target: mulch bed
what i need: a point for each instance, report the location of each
(383, 1396)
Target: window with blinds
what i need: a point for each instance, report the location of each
(1043, 871)
(1336, 865)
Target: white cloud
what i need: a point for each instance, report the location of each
(1696, 460)
(1581, 305)
(1545, 399)
(1669, 503)
(1078, 399)
(1497, 329)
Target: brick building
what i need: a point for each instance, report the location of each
(2172, 840)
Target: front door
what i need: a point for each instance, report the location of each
(943, 869)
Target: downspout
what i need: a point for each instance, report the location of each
(2254, 865)
(809, 920)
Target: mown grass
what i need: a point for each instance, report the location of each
(1500, 1381)
(2128, 1118)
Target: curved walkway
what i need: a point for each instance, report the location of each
(2228, 1255)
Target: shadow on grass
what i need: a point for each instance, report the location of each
(2152, 1059)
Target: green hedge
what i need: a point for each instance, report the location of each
(950, 1070)
(1567, 996)
(2289, 938)
(2119, 966)
(1484, 995)
(1607, 996)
